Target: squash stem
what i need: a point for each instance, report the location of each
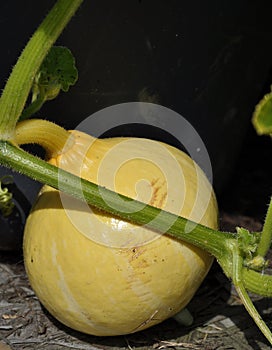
(34, 107)
(256, 282)
(53, 138)
(266, 235)
(106, 200)
(241, 290)
(19, 84)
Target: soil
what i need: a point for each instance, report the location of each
(220, 319)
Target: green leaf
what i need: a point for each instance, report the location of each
(262, 116)
(57, 72)
(248, 245)
(247, 241)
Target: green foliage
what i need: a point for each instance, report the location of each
(248, 244)
(262, 117)
(57, 73)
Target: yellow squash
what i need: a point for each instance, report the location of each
(104, 276)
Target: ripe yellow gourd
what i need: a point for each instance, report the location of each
(104, 276)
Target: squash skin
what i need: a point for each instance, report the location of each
(127, 284)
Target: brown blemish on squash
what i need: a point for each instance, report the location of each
(136, 252)
(157, 198)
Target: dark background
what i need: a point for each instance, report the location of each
(209, 61)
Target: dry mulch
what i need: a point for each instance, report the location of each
(221, 321)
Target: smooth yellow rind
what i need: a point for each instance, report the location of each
(115, 285)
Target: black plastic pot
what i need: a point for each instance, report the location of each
(208, 61)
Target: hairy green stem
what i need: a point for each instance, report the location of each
(107, 200)
(52, 137)
(241, 290)
(266, 236)
(219, 244)
(19, 84)
(257, 282)
(34, 107)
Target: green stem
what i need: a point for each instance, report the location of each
(122, 206)
(241, 290)
(266, 236)
(253, 312)
(257, 283)
(52, 137)
(219, 244)
(19, 84)
(34, 107)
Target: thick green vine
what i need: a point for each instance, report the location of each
(19, 84)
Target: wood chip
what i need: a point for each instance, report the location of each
(8, 316)
(6, 327)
